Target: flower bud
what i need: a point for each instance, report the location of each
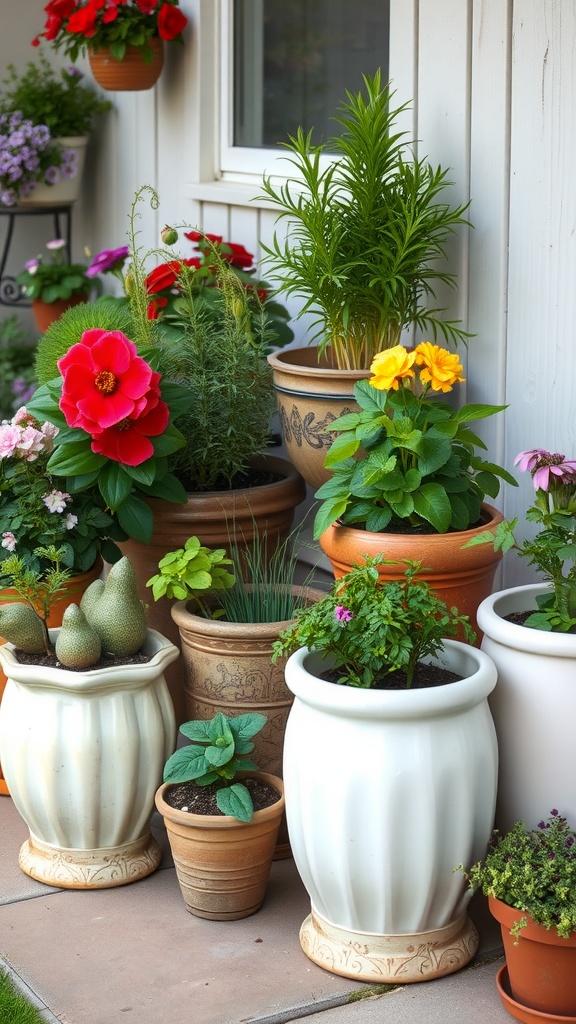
(129, 283)
(169, 235)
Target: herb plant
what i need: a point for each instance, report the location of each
(419, 466)
(553, 549)
(39, 588)
(187, 572)
(532, 871)
(216, 754)
(56, 279)
(371, 627)
(367, 234)
(63, 100)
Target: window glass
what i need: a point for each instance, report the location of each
(294, 60)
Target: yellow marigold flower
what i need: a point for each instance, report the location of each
(440, 367)
(390, 367)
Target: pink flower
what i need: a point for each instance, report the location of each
(9, 541)
(546, 467)
(342, 614)
(31, 443)
(56, 501)
(9, 439)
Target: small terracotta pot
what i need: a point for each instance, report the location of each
(311, 394)
(223, 864)
(131, 74)
(462, 577)
(45, 313)
(541, 967)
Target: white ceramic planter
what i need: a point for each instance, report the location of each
(68, 189)
(386, 793)
(83, 755)
(534, 709)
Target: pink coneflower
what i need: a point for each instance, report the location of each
(546, 467)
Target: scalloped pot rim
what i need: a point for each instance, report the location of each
(491, 620)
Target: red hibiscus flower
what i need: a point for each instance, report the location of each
(163, 276)
(105, 381)
(128, 441)
(171, 21)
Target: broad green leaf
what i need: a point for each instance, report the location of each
(245, 726)
(219, 756)
(169, 488)
(378, 520)
(343, 447)
(197, 731)
(115, 484)
(328, 513)
(235, 801)
(75, 458)
(477, 411)
(135, 517)
(433, 452)
(488, 483)
(432, 504)
(145, 473)
(186, 764)
(168, 442)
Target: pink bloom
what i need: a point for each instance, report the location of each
(9, 440)
(31, 443)
(22, 417)
(9, 541)
(57, 243)
(108, 259)
(545, 466)
(55, 501)
(342, 614)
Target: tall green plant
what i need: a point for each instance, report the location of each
(368, 232)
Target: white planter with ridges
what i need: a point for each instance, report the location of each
(387, 791)
(83, 755)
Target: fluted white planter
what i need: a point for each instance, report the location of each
(534, 709)
(83, 755)
(387, 791)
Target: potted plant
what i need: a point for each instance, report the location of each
(366, 250)
(407, 479)
(124, 40)
(390, 766)
(222, 817)
(228, 623)
(37, 515)
(64, 104)
(56, 285)
(86, 724)
(529, 633)
(211, 357)
(30, 157)
(529, 876)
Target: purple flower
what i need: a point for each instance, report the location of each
(52, 175)
(545, 467)
(56, 243)
(108, 259)
(342, 614)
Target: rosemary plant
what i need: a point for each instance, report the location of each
(367, 234)
(264, 588)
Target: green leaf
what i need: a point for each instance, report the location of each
(115, 485)
(235, 801)
(168, 442)
(432, 504)
(145, 473)
(433, 452)
(477, 412)
(343, 447)
(135, 517)
(186, 764)
(328, 513)
(75, 458)
(488, 483)
(197, 731)
(245, 726)
(378, 520)
(169, 488)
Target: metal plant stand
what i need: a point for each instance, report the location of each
(11, 293)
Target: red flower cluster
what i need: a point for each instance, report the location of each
(235, 255)
(78, 22)
(110, 392)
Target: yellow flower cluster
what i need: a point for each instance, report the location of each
(440, 368)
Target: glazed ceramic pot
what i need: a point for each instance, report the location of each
(131, 74)
(71, 594)
(216, 518)
(83, 754)
(461, 576)
(534, 709)
(311, 394)
(67, 190)
(387, 791)
(540, 969)
(223, 864)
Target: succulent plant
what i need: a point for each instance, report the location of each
(111, 620)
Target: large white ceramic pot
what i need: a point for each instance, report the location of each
(534, 709)
(387, 791)
(83, 755)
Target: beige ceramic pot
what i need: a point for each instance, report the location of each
(131, 74)
(66, 191)
(462, 577)
(223, 864)
(311, 394)
(216, 518)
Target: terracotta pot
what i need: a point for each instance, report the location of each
(535, 729)
(461, 577)
(45, 313)
(131, 74)
(83, 756)
(215, 517)
(311, 394)
(228, 667)
(541, 968)
(66, 191)
(386, 792)
(223, 864)
(72, 595)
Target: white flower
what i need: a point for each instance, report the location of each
(56, 501)
(9, 541)
(70, 521)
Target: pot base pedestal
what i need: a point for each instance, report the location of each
(89, 869)
(388, 959)
(521, 1012)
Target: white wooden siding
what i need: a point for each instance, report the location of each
(494, 98)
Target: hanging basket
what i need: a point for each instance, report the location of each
(131, 74)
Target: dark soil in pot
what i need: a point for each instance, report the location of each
(189, 796)
(424, 677)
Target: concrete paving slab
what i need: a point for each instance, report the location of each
(14, 884)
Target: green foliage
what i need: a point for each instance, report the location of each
(39, 588)
(367, 233)
(185, 573)
(57, 279)
(61, 100)
(17, 380)
(106, 313)
(14, 1007)
(216, 754)
(370, 627)
(532, 871)
(264, 588)
(418, 464)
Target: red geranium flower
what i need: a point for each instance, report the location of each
(83, 20)
(171, 21)
(105, 381)
(239, 256)
(128, 441)
(163, 276)
(155, 306)
(199, 236)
